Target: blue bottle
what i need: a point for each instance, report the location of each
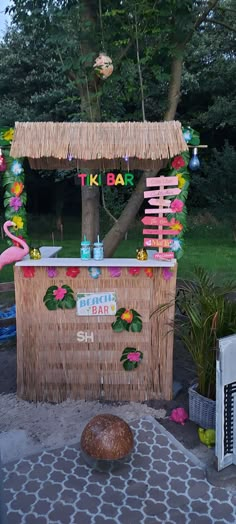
(85, 249)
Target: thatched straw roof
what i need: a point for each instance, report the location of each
(96, 145)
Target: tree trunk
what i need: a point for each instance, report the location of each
(174, 87)
(90, 212)
(117, 232)
(90, 111)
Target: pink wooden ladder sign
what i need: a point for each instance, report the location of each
(157, 221)
(160, 232)
(159, 202)
(157, 242)
(157, 210)
(162, 181)
(162, 192)
(164, 256)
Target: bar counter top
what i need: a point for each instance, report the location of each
(106, 262)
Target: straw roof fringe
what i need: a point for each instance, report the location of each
(47, 144)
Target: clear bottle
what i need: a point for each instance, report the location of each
(98, 253)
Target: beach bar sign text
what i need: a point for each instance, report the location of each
(96, 304)
(106, 179)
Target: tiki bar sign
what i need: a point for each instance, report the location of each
(106, 179)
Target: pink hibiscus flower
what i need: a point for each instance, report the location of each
(177, 205)
(59, 293)
(134, 357)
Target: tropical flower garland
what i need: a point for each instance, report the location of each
(13, 181)
(178, 166)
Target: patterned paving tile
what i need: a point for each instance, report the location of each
(160, 484)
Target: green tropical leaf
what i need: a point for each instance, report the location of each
(118, 325)
(135, 313)
(51, 305)
(136, 325)
(120, 311)
(129, 366)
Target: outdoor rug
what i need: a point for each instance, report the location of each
(162, 483)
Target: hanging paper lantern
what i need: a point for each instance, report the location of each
(103, 66)
(3, 164)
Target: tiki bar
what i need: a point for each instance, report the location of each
(88, 327)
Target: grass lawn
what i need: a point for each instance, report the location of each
(212, 247)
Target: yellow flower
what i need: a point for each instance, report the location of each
(177, 226)
(18, 221)
(181, 181)
(8, 135)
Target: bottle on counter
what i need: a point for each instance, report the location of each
(98, 252)
(85, 249)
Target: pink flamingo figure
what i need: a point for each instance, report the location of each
(13, 253)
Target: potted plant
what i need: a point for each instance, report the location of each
(204, 312)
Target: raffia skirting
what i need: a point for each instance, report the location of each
(52, 365)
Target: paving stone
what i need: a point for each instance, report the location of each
(198, 490)
(199, 506)
(32, 519)
(61, 513)
(23, 502)
(220, 510)
(134, 502)
(178, 470)
(128, 516)
(32, 486)
(40, 472)
(177, 485)
(160, 485)
(95, 489)
(50, 491)
(176, 501)
(14, 518)
(87, 502)
(137, 488)
(15, 481)
(69, 496)
(71, 454)
(160, 480)
(64, 465)
(108, 510)
(81, 518)
(76, 483)
(139, 474)
(154, 508)
(199, 519)
(156, 494)
(113, 496)
(42, 507)
(47, 458)
(24, 467)
(57, 476)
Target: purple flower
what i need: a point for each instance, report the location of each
(15, 202)
(114, 271)
(52, 272)
(167, 273)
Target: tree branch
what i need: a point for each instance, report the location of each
(223, 24)
(211, 5)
